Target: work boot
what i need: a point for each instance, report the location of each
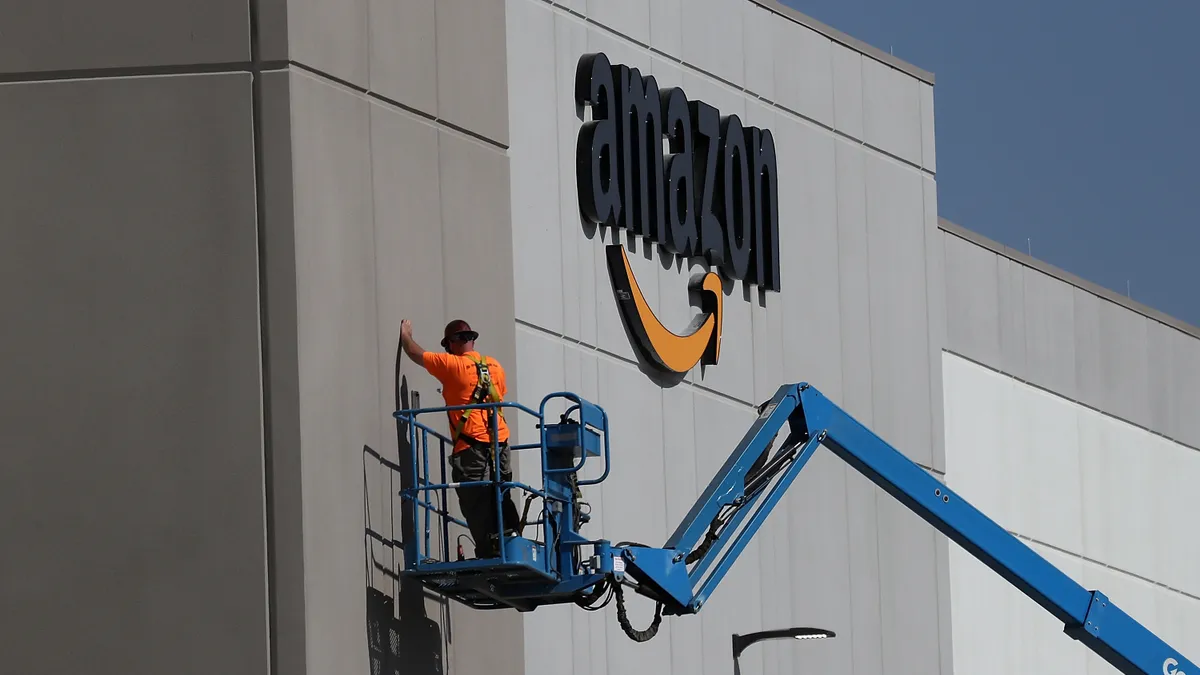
(491, 547)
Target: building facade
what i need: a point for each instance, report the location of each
(219, 213)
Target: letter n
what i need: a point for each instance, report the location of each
(764, 261)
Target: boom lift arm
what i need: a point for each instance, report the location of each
(683, 573)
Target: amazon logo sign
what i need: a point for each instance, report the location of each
(681, 174)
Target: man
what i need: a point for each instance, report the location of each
(469, 378)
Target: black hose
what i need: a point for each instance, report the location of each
(623, 618)
(590, 601)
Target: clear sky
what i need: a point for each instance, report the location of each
(1072, 124)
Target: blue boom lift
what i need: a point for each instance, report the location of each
(564, 566)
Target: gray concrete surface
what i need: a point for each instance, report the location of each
(132, 467)
(56, 35)
(861, 316)
(1045, 327)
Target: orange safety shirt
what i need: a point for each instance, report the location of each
(459, 377)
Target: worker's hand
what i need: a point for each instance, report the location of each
(405, 328)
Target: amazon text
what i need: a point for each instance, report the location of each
(712, 192)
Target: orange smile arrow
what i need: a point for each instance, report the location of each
(677, 353)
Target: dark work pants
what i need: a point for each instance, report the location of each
(478, 503)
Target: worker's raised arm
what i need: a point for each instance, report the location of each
(414, 350)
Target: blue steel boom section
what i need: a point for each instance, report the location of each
(682, 574)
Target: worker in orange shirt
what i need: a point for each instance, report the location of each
(469, 378)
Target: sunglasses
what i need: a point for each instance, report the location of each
(464, 336)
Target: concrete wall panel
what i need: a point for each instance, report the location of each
(403, 52)
(409, 248)
(471, 67)
(535, 173)
(804, 76)
(1164, 405)
(589, 645)
(892, 111)
(132, 467)
(407, 255)
(935, 285)
(758, 28)
(272, 25)
(122, 33)
(477, 238)
(847, 90)
(720, 425)
(980, 419)
(712, 38)
(331, 37)
(1136, 597)
(630, 18)
(769, 343)
(1072, 481)
(854, 280)
(1089, 374)
(1124, 364)
(857, 234)
(277, 257)
(1177, 472)
(972, 301)
(1043, 433)
(1050, 333)
(862, 516)
(1118, 530)
(908, 588)
(1187, 389)
(899, 322)
(338, 347)
(776, 588)
(666, 26)
(729, 100)
(818, 561)
(993, 617)
(1178, 620)
(808, 243)
(1011, 286)
(928, 136)
(1049, 648)
(578, 252)
(634, 503)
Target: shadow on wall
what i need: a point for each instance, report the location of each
(401, 637)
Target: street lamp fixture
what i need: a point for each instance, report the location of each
(740, 642)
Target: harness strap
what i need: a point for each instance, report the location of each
(485, 389)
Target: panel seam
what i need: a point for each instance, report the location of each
(255, 67)
(695, 69)
(369, 93)
(1104, 565)
(870, 371)
(1073, 280)
(1060, 395)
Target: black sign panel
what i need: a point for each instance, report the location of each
(712, 192)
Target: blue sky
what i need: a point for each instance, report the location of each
(1075, 125)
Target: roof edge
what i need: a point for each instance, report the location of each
(838, 36)
(1065, 276)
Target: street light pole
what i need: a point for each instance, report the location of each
(741, 642)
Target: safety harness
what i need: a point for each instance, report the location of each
(485, 390)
